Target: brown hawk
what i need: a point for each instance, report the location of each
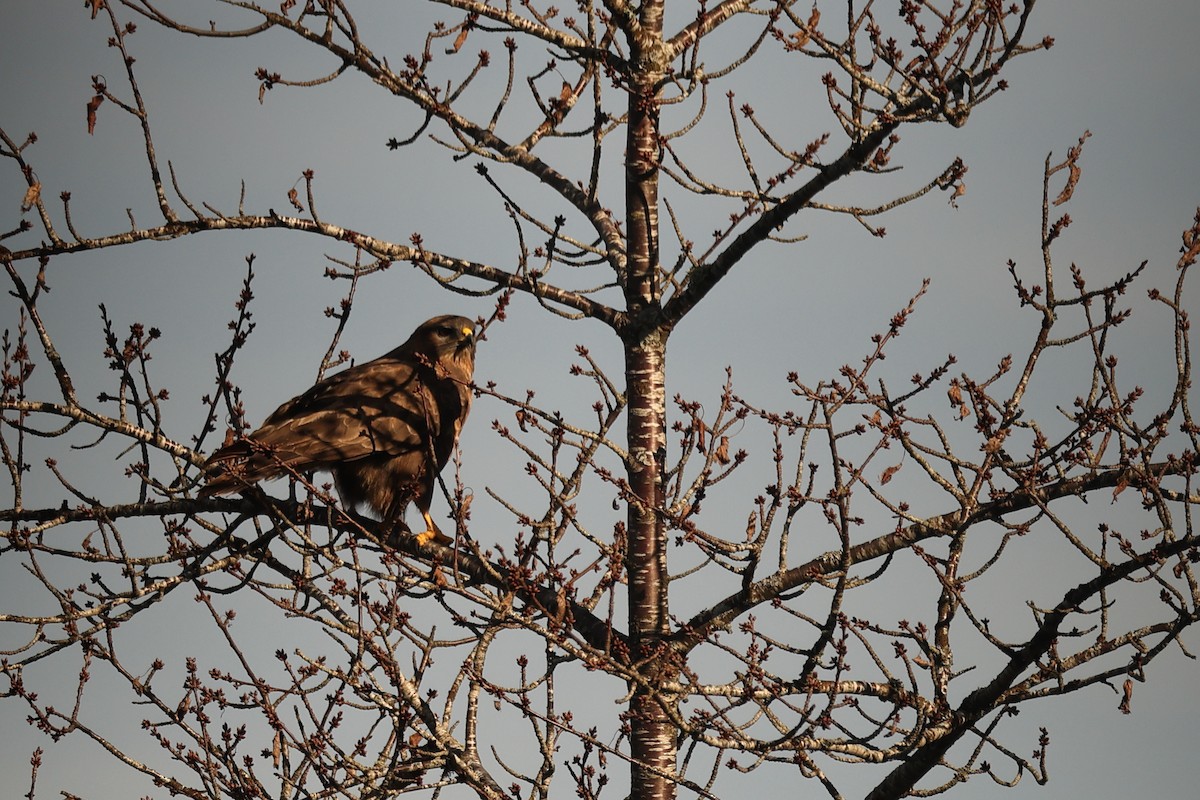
(384, 428)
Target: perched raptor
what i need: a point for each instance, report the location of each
(384, 428)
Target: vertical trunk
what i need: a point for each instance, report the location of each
(652, 733)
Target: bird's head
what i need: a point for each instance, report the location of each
(444, 337)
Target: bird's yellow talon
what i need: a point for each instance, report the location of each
(435, 537)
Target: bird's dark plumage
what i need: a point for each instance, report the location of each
(384, 428)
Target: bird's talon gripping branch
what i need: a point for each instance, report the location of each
(431, 534)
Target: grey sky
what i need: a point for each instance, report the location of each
(1125, 71)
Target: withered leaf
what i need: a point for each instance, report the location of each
(92, 106)
(994, 444)
(1191, 245)
(889, 473)
(560, 605)
(31, 196)
(722, 451)
(1127, 697)
(1072, 182)
(803, 37)
(1073, 170)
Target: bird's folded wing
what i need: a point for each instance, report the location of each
(377, 408)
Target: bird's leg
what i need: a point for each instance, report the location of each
(432, 533)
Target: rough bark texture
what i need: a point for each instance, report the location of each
(653, 737)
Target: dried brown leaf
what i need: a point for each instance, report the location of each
(560, 605)
(32, 194)
(722, 451)
(1073, 170)
(1191, 244)
(92, 106)
(803, 37)
(1072, 181)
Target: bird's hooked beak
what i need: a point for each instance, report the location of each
(468, 342)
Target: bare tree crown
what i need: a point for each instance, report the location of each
(462, 663)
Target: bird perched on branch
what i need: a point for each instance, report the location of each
(384, 428)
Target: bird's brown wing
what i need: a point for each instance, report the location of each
(377, 408)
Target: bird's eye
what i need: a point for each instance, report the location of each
(445, 330)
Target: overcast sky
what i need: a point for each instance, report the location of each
(1125, 71)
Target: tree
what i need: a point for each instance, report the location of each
(838, 620)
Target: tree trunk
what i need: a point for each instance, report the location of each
(653, 735)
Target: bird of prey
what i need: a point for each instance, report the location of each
(384, 428)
